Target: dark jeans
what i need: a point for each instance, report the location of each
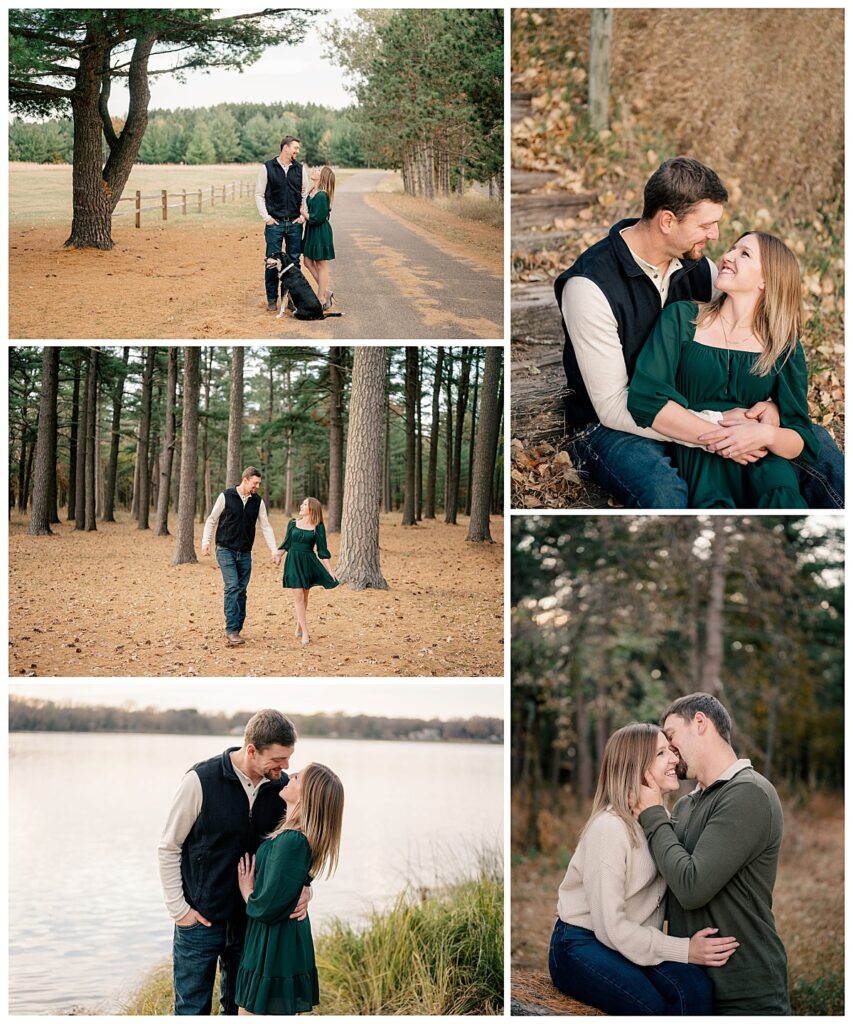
(638, 472)
(236, 569)
(277, 237)
(587, 970)
(196, 950)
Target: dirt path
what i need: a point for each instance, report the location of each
(110, 604)
(201, 277)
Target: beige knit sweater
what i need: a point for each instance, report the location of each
(614, 889)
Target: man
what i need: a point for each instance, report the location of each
(280, 194)
(234, 515)
(223, 808)
(610, 300)
(718, 854)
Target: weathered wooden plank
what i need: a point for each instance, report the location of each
(520, 105)
(534, 241)
(528, 181)
(534, 994)
(541, 209)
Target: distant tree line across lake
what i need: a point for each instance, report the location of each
(30, 715)
(224, 134)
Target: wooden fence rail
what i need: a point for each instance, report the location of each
(195, 197)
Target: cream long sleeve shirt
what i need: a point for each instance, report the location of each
(614, 889)
(601, 361)
(219, 507)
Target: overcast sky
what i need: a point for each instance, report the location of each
(284, 74)
(438, 699)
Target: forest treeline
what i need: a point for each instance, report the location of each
(152, 429)
(429, 85)
(29, 715)
(615, 616)
(226, 133)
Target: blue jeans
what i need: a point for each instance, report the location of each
(638, 472)
(277, 237)
(587, 970)
(236, 569)
(196, 950)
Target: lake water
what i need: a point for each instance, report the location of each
(86, 916)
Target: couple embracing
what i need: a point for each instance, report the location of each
(686, 380)
(709, 867)
(233, 519)
(289, 200)
(242, 844)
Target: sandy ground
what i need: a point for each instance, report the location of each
(110, 603)
(201, 276)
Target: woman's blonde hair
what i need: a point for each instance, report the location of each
(315, 511)
(326, 183)
(627, 757)
(318, 815)
(778, 318)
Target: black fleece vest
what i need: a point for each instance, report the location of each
(635, 303)
(236, 529)
(283, 195)
(224, 830)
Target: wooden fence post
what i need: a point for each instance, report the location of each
(199, 200)
(223, 193)
(184, 201)
(212, 194)
(138, 217)
(164, 200)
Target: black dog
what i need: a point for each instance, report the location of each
(291, 279)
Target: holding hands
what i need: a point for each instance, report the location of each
(744, 434)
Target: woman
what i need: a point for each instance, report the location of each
(736, 350)
(302, 568)
(318, 246)
(607, 948)
(277, 970)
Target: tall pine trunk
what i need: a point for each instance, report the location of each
(72, 448)
(234, 468)
(45, 458)
(471, 443)
(91, 522)
(358, 564)
(161, 528)
(432, 465)
(184, 540)
(144, 499)
(115, 437)
(336, 439)
(484, 456)
(461, 404)
(411, 389)
(80, 479)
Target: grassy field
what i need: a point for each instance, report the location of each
(433, 953)
(808, 901)
(40, 194)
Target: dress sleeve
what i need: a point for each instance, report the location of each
(653, 383)
(322, 543)
(285, 544)
(279, 883)
(318, 208)
(792, 398)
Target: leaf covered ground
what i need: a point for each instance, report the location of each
(109, 603)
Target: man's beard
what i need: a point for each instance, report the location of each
(681, 769)
(695, 252)
(272, 774)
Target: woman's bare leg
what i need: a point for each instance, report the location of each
(305, 594)
(299, 605)
(311, 266)
(322, 279)
(243, 1013)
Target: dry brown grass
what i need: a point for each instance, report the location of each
(808, 899)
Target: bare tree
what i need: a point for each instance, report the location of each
(235, 418)
(601, 30)
(45, 457)
(184, 541)
(712, 666)
(358, 564)
(167, 456)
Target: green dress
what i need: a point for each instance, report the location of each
(277, 972)
(672, 366)
(302, 568)
(318, 243)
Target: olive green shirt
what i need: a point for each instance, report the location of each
(718, 854)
